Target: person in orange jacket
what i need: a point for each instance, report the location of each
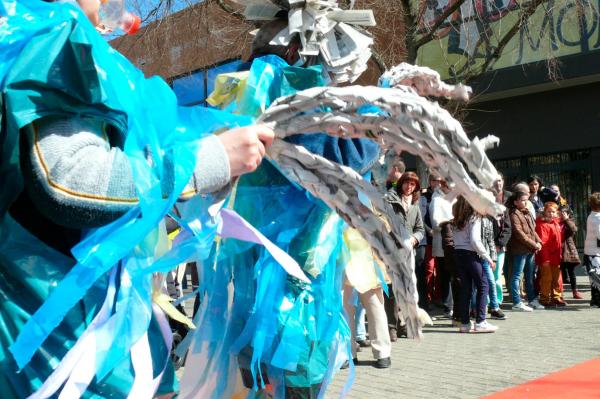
(549, 257)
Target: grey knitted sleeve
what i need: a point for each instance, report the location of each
(212, 168)
(80, 177)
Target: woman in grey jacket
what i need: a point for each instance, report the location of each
(405, 202)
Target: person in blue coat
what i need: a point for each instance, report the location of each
(73, 116)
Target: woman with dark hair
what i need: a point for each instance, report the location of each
(469, 252)
(523, 244)
(570, 257)
(405, 202)
(539, 195)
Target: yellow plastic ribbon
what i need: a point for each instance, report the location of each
(164, 302)
(174, 234)
(360, 268)
(229, 87)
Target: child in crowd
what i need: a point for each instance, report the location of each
(570, 257)
(549, 257)
(523, 244)
(469, 253)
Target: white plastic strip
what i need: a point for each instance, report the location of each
(86, 345)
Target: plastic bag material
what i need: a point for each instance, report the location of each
(30, 271)
(269, 78)
(53, 62)
(361, 269)
(279, 329)
(303, 315)
(228, 88)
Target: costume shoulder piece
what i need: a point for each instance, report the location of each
(328, 34)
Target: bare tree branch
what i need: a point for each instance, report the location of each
(410, 26)
(440, 21)
(230, 9)
(526, 12)
(379, 61)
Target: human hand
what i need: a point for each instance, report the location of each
(538, 246)
(493, 265)
(246, 147)
(414, 241)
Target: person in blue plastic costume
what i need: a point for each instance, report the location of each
(92, 157)
(287, 334)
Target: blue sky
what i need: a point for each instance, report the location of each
(145, 8)
(165, 7)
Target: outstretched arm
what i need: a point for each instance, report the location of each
(79, 176)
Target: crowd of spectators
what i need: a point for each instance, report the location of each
(463, 259)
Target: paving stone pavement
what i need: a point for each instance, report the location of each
(447, 364)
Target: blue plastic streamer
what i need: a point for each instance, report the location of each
(147, 113)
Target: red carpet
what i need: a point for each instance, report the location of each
(581, 382)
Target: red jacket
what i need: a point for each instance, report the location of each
(551, 235)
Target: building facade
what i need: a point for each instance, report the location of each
(538, 96)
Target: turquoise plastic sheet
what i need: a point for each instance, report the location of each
(53, 62)
(278, 324)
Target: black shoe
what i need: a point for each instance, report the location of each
(363, 343)
(346, 364)
(383, 363)
(402, 332)
(498, 314)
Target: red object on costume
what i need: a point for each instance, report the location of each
(114, 16)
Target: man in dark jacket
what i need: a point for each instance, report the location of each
(447, 231)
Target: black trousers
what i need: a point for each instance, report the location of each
(455, 282)
(471, 275)
(443, 274)
(568, 274)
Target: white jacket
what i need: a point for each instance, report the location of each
(592, 235)
(440, 210)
